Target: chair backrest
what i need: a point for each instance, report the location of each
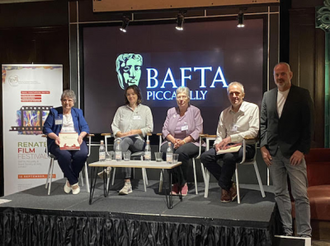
(249, 141)
(201, 136)
(46, 149)
(89, 136)
(134, 155)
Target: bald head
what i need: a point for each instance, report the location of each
(282, 76)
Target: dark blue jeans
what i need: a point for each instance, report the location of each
(225, 173)
(70, 161)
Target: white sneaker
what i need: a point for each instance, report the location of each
(126, 189)
(104, 171)
(67, 188)
(75, 189)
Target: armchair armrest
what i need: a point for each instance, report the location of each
(251, 140)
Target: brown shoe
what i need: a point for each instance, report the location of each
(225, 196)
(233, 191)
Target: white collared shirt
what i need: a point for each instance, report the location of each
(240, 124)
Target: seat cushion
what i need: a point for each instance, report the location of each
(137, 155)
(319, 198)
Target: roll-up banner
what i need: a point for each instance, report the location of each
(28, 92)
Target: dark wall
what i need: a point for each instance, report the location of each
(307, 59)
(33, 33)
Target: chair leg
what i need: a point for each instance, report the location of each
(207, 183)
(203, 172)
(160, 188)
(259, 179)
(268, 177)
(237, 186)
(86, 177)
(51, 177)
(146, 176)
(144, 179)
(113, 176)
(81, 177)
(195, 176)
(108, 179)
(48, 175)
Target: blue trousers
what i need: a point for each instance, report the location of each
(70, 161)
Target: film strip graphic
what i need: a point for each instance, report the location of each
(30, 119)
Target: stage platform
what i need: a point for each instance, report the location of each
(140, 218)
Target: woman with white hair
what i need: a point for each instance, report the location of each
(182, 127)
(67, 119)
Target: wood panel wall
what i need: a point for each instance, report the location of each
(133, 5)
(307, 49)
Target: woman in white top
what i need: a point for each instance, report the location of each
(131, 123)
(67, 119)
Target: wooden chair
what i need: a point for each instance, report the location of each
(53, 159)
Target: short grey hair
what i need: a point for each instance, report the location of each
(235, 83)
(283, 63)
(69, 94)
(184, 90)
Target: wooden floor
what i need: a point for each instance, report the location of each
(320, 243)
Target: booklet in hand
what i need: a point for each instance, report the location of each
(232, 148)
(69, 141)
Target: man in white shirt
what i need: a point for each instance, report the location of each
(285, 132)
(239, 120)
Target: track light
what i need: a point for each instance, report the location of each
(240, 23)
(125, 24)
(179, 21)
(240, 18)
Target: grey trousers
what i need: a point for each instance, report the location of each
(131, 144)
(279, 171)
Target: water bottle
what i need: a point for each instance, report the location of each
(147, 151)
(169, 153)
(101, 151)
(118, 152)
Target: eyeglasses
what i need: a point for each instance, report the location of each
(181, 97)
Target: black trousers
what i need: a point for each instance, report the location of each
(186, 152)
(225, 173)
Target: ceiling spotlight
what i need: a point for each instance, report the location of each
(240, 18)
(125, 24)
(179, 21)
